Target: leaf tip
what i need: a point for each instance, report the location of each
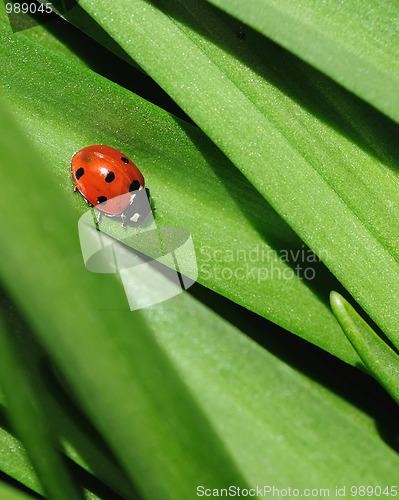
(336, 300)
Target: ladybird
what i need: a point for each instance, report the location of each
(108, 180)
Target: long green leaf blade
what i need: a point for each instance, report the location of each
(262, 404)
(175, 159)
(379, 358)
(78, 441)
(244, 394)
(118, 371)
(7, 492)
(15, 463)
(224, 98)
(14, 460)
(225, 372)
(28, 418)
(355, 42)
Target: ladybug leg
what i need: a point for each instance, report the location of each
(123, 217)
(99, 217)
(75, 189)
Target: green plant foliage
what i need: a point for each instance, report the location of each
(104, 356)
(266, 405)
(14, 461)
(9, 493)
(70, 432)
(192, 183)
(381, 360)
(28, 419)
(154, 403)
(112, 356)
(334, 187)
(355, 42)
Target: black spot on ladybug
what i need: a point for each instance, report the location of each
(79, 173)
(110, 176)
(134, 186)
(124, 159)
(102, 199)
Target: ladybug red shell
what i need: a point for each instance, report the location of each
(106, 178)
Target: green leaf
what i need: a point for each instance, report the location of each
(7, 492)
(255, 403)
(14, 460)
(354, 42)
(235, 232)
(379, 358)
(116, 368)
(292, 138)
(181, 396)
(29, 421)
(74, 436)
(188, 400)
(245, 395)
